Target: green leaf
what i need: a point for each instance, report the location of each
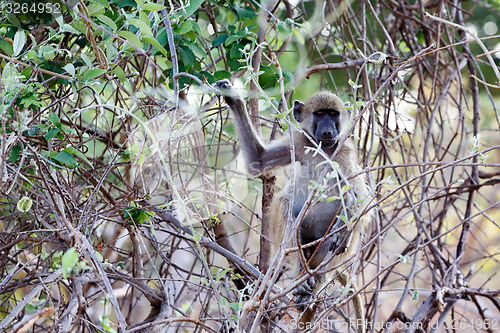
(19, 41)
(314, 183)
(184, 27)
(332, 198)
(30, 308)
(268, 78)
(70, 68)
(145, 29)
(414, 297)
(143, 16)
(131, 38)
(221, 274)
(421, 37)
(13, 20)
(16, 152)
(204, 75)
(54, 118)
(69, 258)
(186, 55)
(109, 22)
(140, 159)
(11, 77)
(120, 74)
(193, 6)
(404, 259)
(152, 7)
(345, 189)
(73, 151)
(95, 9)
(195, 48)
(196, 237)
(284, 28)
(43, 127)
(196, 28)
(99, 256)
(136, 215)
(127, 3)
(220, 75)
(24, 205)
(35, 304)
(353, 84)
(235, 52)
(236, 305)
(219, 40)
(288, 79)
(6, 47)
(103, 3)
(66, 159)
(231, 39)
(359, 104)
(246, 13)
(93, 73)
(51, 134)
(156, 44)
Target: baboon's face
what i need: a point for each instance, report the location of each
(326, 127)
(321, 117)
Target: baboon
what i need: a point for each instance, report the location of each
(330, 207)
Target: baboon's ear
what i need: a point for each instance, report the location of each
(298, 107)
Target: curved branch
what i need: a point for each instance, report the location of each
(328, 67)
(207, 242)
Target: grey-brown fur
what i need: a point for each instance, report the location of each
(342, 242)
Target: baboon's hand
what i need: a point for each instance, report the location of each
(340, 241)
(304, 293)
(231, 96)
(224, 84)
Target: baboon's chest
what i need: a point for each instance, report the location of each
(323, 211)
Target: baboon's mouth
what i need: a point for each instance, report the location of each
(328, 143)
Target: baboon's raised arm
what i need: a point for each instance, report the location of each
(260, 157)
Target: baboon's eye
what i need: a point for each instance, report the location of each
(319, 113)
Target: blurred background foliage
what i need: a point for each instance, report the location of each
(122, 187)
